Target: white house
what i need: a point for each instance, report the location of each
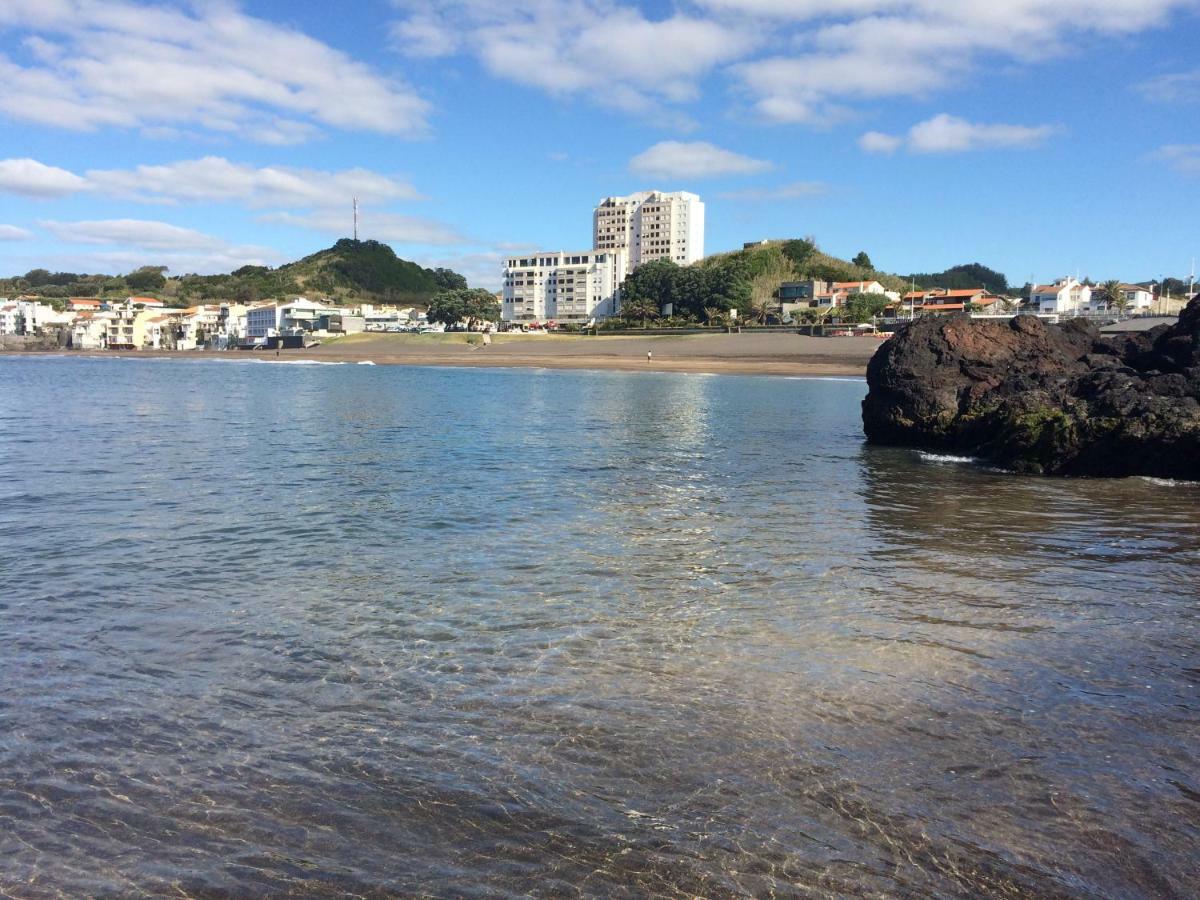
(1068, 296)
(1138, 298)
(89, 330)
(8, 318)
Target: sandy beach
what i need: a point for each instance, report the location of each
(718, 354)
(746, 354)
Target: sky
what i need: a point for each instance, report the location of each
(1039, 137)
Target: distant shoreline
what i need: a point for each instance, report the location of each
(716, 354)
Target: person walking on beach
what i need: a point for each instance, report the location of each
(649, 354)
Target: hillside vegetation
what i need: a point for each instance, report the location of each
(972, 275)
(800, 259)
(358, 270)
(748, 281)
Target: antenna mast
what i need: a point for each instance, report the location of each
(356, 219)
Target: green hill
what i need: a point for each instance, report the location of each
(349, 270)
(768, 264)
(771, 263)
(369, 268)
(359, 270)
(971, 275)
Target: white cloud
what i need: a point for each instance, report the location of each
(179, 262)
(1176, 87)
(950, 134)
(379, 226)
(214, 179)
(853, 51)
(30, 178)
(138, 232)
(611, 54)
(139, 242)
(481, 269)
(125, 64)
(697, 159)
(211, 179)
(1183, 158)
(797, 190)
(13, 233)
(821, 56)
(878, 142)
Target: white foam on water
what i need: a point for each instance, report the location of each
(297, 362)
(1168, 482)
(946, 458)
(366, 362)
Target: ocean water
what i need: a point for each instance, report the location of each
(383, 630)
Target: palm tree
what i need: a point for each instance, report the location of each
(639, 307)
(1115, 296)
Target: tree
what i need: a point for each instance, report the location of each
(245, 293)
(1114, 296)
(459, 305)
(863, 261)
(147, 278)
(862, 307)
(448, 279)
(799, 251)
(638, 306)
(972, 275)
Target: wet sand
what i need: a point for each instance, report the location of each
(747, 354)
(718, 354)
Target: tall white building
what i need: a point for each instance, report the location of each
(563, 287)
(651, 225)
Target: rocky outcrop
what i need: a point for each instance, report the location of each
(1055, 399)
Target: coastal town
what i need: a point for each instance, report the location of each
(573, 290)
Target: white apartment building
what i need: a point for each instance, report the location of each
(1067, 296)
(294, 317)
(564, 287)
(29, 317)
(651, 225)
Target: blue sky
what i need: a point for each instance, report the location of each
(1041, 137)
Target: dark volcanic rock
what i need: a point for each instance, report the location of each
(1058, 399)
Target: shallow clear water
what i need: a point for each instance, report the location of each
(343, 629)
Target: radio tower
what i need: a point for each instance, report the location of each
(356, 220)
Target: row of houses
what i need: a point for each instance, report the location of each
(145, 323)
(1068, 297)
(1072, 297)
